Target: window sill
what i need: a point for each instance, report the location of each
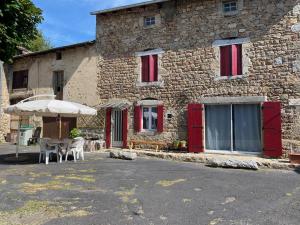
(19, 90)
(230, 77)
(148, 133)
(150, 84)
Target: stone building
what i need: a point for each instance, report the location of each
(237, 61)
(69, 72)
(4, 102)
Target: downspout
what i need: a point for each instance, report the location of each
(1, 73)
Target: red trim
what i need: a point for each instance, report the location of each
(195, 128)
(272, 132)
(137, 118)
(160, 118)
(108, 128)
(236, 60)
(125, 127)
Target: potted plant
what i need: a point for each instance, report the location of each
(75, 133)
(182, 144)
(176, 144)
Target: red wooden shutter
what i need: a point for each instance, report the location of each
(145, 68)
(108, 128)
(137, 118)
(195, 128)
(125, 127)
(153, 70)
(272, 129)
(225, 60)
(160, 118)
(236, 60)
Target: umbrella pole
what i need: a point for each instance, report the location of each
(59, 127)
(18, 139)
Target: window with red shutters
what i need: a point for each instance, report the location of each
(149, 68)
(231, 60)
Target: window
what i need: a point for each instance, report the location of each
(149, 21)
(58, 56)
(149, 118)
(230, 6)
(235, 127)
(231, 60)
(58, 84)
(149, 68)
(20, 79)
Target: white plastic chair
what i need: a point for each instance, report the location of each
(63, 148)
(76, 148)
(46, 151)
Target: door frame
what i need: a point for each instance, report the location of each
(112, 128)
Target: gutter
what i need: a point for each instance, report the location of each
(127, 7)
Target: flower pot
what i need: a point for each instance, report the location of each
(294, 158)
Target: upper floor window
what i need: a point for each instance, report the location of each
(58, 56)
(231, 60)
(230, 6)
(20, 79)
(149, 21)
(149, 68)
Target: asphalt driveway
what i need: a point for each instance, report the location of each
(106, 191)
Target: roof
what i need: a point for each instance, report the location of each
(55, 49)
(127, 7)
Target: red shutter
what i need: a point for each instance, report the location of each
(137, 118)
(125, 127)
(272, 129)
(108, 128)
(195, 128)
(160, 118)
(236, 60)
(145, 68)
(153, 68)
(155, 57)
(225, 60)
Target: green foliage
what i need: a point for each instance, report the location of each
(18, 25)
(39, 43)
(75, 133)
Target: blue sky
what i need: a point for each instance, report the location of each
(69, 21)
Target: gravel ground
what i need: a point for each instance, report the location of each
(106, 191)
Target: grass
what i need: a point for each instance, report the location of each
(168, 183)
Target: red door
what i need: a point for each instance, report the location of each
(272, 133)
(195, 128)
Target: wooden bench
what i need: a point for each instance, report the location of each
(158, 144)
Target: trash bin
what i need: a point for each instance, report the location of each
(25, 135)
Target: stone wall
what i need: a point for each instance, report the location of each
(80, 77)
(186, 32)
(4, 102)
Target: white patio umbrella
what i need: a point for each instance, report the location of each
(48, 107)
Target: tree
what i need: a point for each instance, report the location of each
(39, 43)
(18, 25)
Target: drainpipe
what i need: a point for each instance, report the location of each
(1, 74)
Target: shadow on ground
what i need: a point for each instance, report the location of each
(23, 159)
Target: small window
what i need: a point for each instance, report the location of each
(149, 118)
(231, 60)
(58, 56)
(149, 68)
(58, 84)
(149, 21)
(230, 6)
(20, 79)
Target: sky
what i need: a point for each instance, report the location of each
(69, 21)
